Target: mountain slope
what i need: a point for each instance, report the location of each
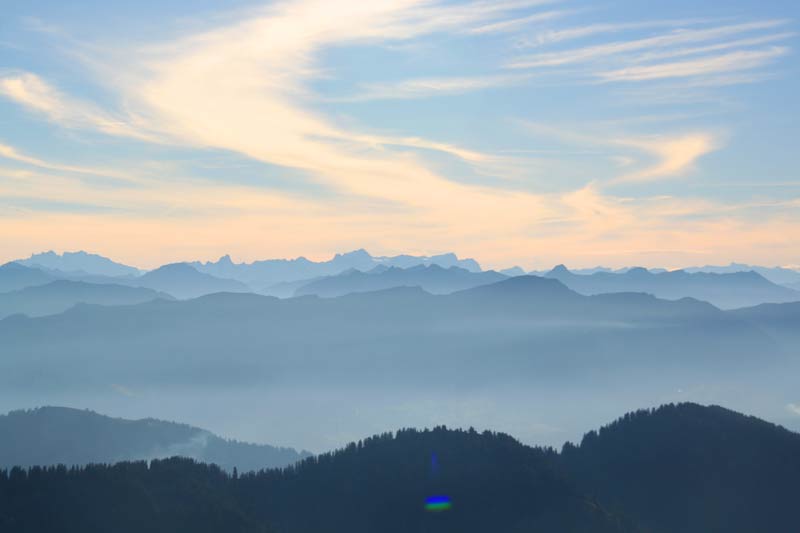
(183, 281)
(60, 295)
(493, 483)
(380, 484)
(60, 435)
(727, 291)
(431, 278)
(684, 467)
(14, 276)
(693, 469)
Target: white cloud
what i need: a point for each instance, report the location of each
(675, 155)
(793, 408)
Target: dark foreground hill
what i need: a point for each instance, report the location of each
(682, 468)
(693, 469)
(60, 435)
(380, 484)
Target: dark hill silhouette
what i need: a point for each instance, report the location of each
(380, 484)
(183, 281)
(494, 483)
(60, 435)
(432, 278)
(14, 276)
(727, 291)
(693, 469)
(60, 295)
(685, 467)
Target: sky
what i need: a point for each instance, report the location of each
(517, 132)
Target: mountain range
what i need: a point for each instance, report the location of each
(684, 467)
(58, 296)
(364, 355)
(431, 278)
(60, 435)
(735, 286)
(726, 290)
(269, 272)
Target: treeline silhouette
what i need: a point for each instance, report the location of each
(681, 468)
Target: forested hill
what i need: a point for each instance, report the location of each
(682, 468)
(691, 468)
(379, 485)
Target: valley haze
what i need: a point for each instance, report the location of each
(441, 266)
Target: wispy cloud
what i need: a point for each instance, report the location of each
(34, 93)
(515, 24)
(674, 155)
(617, 48)
(9, 152)
(705, 66)
(244, 86)
(552, 36)
(428, 87)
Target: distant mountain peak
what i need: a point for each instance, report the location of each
(360, 253)
(638, 271)
(560, 269)
(79, 261)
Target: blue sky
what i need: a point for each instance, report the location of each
(517, 132)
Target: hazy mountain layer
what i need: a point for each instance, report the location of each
(60, 435)
(727, 291)
(183, 281)
(780, 275)
(431, 278)
(14, 276)
(58, 296)
(320, 370)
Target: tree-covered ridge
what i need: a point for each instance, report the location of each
(684, 468)
(692, 468)
(379, 484)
